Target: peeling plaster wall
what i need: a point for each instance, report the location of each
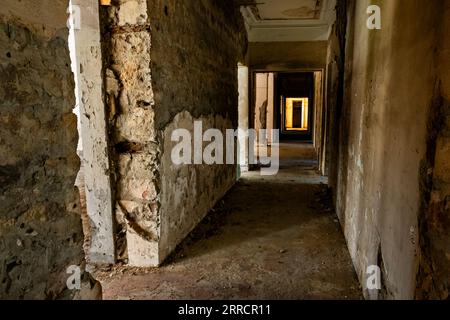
(188, 192)
(164, 64)
(196, 47)
(389, 89)
(40, 223)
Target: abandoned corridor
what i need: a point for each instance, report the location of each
(268, 238)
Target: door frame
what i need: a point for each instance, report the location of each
(276, 71)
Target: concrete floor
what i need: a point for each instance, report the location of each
(269, 238)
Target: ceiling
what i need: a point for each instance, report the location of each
(288, 20)
(289, 9)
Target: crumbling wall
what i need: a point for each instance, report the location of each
(433, 280)
(196, 47)
(40, 223)
(389, 86)
(165, 66)
(188, 192)
(126, 42)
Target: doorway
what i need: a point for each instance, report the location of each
(295, 106)
(292, 102)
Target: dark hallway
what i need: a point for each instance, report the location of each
(225, 149)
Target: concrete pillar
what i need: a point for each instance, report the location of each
(260, 99)
(243, 110)
(318, 116)
(270, 106)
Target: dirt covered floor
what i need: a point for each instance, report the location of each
(269, 238)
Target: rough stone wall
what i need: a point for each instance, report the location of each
(389, 86)
(166, 66)
(40, 223)
(434, 274)
(126, 44)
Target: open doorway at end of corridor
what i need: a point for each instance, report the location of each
(292, 102)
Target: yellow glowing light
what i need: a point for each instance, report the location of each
(289, 114)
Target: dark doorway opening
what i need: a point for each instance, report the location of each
(294, 106)
(290, 101)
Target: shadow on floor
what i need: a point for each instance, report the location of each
(269, 238)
